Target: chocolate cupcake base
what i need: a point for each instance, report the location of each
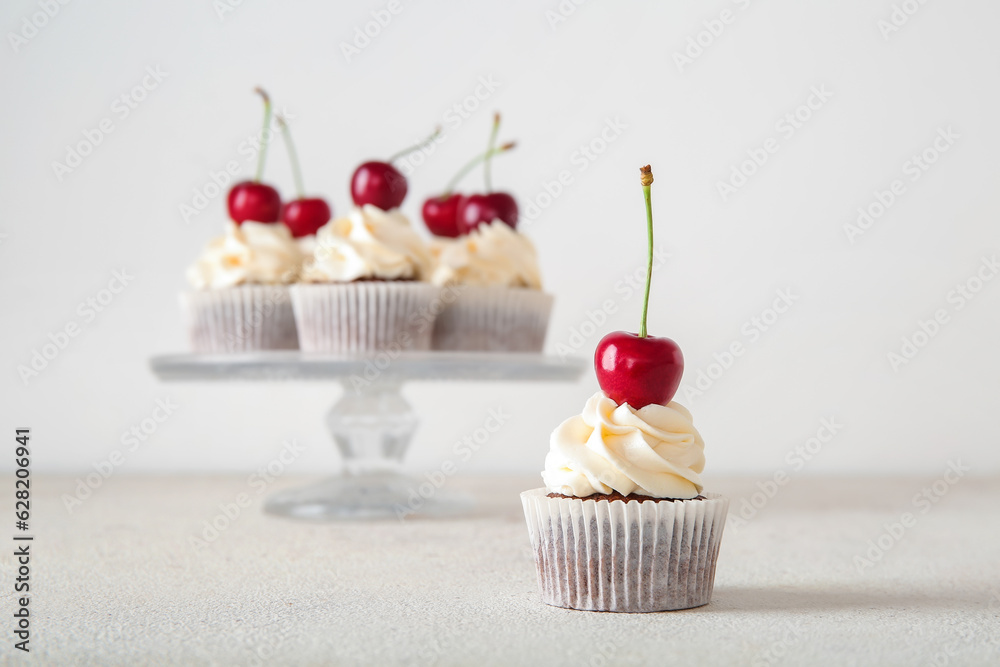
(493, 319)
(600, 555)
(365, 316)
(244, 318)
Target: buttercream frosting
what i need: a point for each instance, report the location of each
(492, 254)
(368, 243)
(653, 451)
(251, 253)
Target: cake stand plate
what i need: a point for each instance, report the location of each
(371, 424)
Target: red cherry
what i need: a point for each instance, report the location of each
(254, 201)
(638, 371)
(378, 183)
(474, 210)
(304, 216)
(441, 214)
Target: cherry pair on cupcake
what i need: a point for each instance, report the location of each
(260, 202)
(453, 214)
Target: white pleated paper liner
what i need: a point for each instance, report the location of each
(647, 556)
(493, 319)
(364, 316)
(244, 318)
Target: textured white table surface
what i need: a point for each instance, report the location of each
(119, 581)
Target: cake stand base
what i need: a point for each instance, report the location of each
(372, 424)
(370, 496)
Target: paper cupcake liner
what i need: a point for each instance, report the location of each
(240, 319)
(358, 317)
(496, 319)
(647, 556)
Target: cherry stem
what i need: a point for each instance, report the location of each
(416, 147)
(646, 178)
(264, 133)
(487, 176)
(293, 157)
(472, 163)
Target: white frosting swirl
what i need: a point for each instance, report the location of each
(369, 243)
(251, 253)
(654, 451)
(492, 254)
(307, 245)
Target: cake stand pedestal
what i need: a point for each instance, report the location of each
(371, 424)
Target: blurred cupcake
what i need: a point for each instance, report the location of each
(494, 295)
(241, 302)
(362, 288)
(623, 523)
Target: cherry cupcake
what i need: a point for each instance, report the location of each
(241, 279)
(363, 288)
(494, 290)
(488, 269)
(623, 523)
(241, 301)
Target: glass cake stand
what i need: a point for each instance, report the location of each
(372, 423)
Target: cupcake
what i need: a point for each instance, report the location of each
(624, 522)
(241, 300)
(495, 292)
(363, 289)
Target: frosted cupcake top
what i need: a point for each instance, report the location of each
(492, 254)
(368, 243)
(251, 253)
(654, 451)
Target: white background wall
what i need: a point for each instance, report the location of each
(557, 87)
